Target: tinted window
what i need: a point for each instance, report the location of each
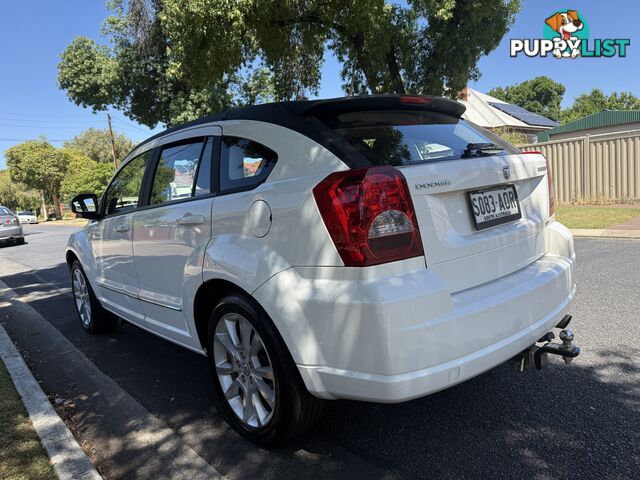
(26, 212)
(244, 163)
(407, 137)
(124, 191)
(176, 173)
(4, 211)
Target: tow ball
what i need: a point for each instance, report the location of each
(538, 355)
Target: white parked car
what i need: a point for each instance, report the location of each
(10, 228)
(370, 248)
(27, 216)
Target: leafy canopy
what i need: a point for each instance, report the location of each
(38, 165)
(596, 101)
(539, 95)
(16, 196)
(96, 144)
(544, 96)
(173, 60)
(84, 175)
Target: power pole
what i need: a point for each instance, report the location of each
(113, 144)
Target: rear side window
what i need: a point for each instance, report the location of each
(176, 172)
(408, 137)
(244, 164)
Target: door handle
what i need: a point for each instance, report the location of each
(123, 228)
(190, 220)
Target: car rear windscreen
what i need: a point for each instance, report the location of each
(408, 137)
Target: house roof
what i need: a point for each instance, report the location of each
(491, 112)
(605, 118)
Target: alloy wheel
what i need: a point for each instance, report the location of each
(81, 297)
(244, 370)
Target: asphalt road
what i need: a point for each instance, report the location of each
(581, 421)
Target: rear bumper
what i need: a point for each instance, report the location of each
(328, 382)
(390, 336)
(11, 232)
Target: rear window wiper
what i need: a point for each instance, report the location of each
(480, 148)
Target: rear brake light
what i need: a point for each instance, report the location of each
(369, 215)
(415, 100)
(552, 193)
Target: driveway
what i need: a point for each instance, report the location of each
(564, 422)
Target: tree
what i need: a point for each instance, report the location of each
(173, 60)
(539, 95)
(96, 144)
(596, 101)
(16, 196)
(38, 165)
(84, 175)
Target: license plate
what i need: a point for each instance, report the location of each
(494, 206)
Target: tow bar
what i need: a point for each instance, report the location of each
(538, 355)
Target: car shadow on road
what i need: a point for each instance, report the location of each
(8, 244)
(581, 420)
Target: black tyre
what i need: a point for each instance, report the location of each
(20, 241)
(257, 386)
(93, 318)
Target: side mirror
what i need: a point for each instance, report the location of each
(85, 205)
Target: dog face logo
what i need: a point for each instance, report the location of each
(506, 173)
(566, 24)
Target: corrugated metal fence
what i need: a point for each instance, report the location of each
(594, 167)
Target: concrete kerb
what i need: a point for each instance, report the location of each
(605, 233)
(66, 456)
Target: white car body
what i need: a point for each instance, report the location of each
(386, 333)
(26, 217)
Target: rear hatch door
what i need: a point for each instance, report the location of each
(460, 177)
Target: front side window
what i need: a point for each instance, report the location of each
(407, 137)
(244, 163)
(176, 173)
(122, 195)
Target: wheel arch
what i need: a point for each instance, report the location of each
(70, 257)
(207, 297)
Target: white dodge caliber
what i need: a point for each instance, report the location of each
(370, 248)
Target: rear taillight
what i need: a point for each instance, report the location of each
(552, 192)
(369, 215)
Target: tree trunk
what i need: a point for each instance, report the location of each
(394, 72)
(45, 214)
(364, 64)
(56, 206)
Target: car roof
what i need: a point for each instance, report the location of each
(288, 113)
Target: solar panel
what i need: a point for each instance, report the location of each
(524, 115)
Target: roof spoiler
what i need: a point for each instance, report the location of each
(379, 102)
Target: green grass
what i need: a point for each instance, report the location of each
(21, 454)
(585, 216)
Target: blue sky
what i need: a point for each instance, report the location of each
(34, 33)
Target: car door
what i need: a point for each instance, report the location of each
(171, 233)
(111, 241)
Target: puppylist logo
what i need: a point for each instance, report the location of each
(566, 35)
